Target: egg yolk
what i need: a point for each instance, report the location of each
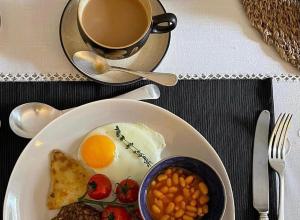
(98, 151)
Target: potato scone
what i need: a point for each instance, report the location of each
(68, 180)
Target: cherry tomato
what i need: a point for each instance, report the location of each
(127, 191)
(99, 186)
(115, 213)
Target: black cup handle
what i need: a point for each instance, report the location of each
(157, 28)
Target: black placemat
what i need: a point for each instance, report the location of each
(223, 111)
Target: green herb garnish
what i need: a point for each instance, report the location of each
(130, 146)
(103, 204)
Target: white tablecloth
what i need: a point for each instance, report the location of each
(213, 39)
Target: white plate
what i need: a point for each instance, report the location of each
(29, 182)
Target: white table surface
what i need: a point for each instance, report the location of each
(213, 39)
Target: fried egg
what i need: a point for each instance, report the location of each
(104, 152)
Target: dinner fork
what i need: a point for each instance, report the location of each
(277, 154)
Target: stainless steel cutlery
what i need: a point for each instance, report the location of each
(277, 154)
(28, 119)
(273, 151)
(93, 65)
(260, 177)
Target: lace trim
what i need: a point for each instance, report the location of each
(282, 77)
(79, 77)
(41, 77)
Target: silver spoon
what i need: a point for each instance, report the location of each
(28, 119)
(92, 64)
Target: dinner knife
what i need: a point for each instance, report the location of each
(260, 169)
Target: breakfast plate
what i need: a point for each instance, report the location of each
(147, 59)
(28, 187)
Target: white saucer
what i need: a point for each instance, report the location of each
(147, 59)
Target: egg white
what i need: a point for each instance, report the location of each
(125, 163)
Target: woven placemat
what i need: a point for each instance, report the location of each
(278, 21)
(223, 111)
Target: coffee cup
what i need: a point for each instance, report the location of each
(117, 29)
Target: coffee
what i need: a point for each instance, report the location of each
(115, 23)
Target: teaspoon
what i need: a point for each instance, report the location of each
(28, 119)
(93, 64)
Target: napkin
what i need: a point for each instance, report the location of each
(287, 99)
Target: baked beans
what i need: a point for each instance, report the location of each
(177, 193)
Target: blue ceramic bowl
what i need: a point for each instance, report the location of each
(215, 186)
